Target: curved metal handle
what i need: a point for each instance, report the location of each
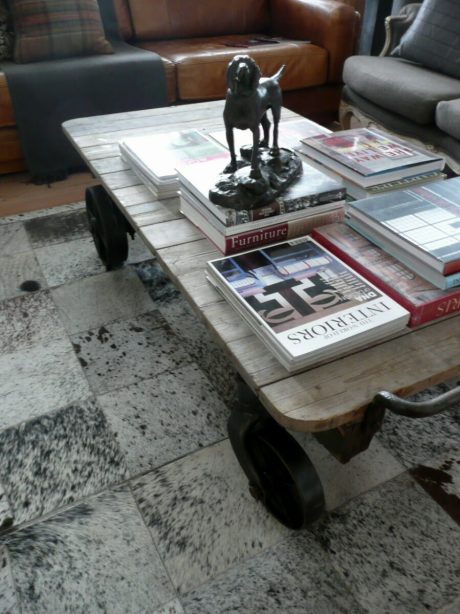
(417, 409)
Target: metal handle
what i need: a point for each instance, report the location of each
(417, 409)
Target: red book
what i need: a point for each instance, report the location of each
(274, 233)
(424, 301)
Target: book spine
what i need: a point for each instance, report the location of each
(451, 281)
(260, 213)
(279, 232)
(280, 207)
(444, 305)
(411, 261)
(451, 267)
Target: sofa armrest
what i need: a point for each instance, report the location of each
(397, 25)
(326, 23)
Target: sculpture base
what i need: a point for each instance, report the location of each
(240, 191)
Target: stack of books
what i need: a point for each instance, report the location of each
(154, 157)
(420, 227)
(372, 162)
(424, 301)
(304, 303)
(313, 199)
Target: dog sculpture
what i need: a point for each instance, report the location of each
(248, 98)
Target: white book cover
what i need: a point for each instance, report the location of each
(304, 302)
(159, 154)
(289, 134)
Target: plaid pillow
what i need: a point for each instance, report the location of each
(433, 39)
(49, 29)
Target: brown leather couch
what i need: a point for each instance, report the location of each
(197, 40)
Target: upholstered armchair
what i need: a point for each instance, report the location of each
(413, 88)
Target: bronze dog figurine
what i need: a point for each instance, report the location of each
(248, 98)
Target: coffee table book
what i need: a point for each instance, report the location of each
(423, 222)
(443, 282)
(154, 157)
(311, 189)
(289, 134)
(422, 299)
(355, 191)
(304, 303)
(241, 237)
(370, 157)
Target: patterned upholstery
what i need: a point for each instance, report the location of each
(433, 40)
(49, 29)
(6, 35)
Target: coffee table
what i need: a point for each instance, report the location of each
(339, 401)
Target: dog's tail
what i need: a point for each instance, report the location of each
(277, 76)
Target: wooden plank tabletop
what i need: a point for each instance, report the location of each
(317, 399)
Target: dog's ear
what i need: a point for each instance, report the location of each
(254, 71)
(231, 70)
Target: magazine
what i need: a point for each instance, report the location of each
(305, 303)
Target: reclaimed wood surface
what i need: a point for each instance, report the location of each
(320, 398)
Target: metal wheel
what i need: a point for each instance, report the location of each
(280, 473)
(107, 227)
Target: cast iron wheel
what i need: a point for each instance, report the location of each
(288, 485)
(107, 227)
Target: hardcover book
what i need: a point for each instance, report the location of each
(239, 238)
(443, 282)
(157, 155)
(370, 157)
(311, 189)
(355, 191)
(423, 221)
(262, 220)
(423, 300)
(289, 134)
(304, 303)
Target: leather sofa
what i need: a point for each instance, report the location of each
(403, 97)
(197, 40)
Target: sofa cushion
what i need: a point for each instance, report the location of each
(448, 117)
(201, 64)
(52, 29)
(154, 20)
(433, 40)
(399, 86)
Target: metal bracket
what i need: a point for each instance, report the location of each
(417, 409)
(348, 440)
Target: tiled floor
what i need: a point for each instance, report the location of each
(125, 493)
